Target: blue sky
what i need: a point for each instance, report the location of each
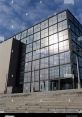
(17, 15)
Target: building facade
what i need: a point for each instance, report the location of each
(9, 66)
(51, 57)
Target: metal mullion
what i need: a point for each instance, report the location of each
(58, 53)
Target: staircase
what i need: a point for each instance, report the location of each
(42, 102)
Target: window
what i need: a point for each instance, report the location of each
(29, 48)
(53, 49)
(54, 72)
(53, 20)
(24, 40)
(36, 36)
(52, 29)
(27, 77)
(28, 57)
(36, 54)
(44, 42)
(24, 34)
(26, 87)
(61, 16)
(27, 67)
(44, 24)
(54, 60)
(53, 39)
(29, 39)
(44, 74)
(73, 46)
(64, 57)
(80, 61)
(63, 35)
(18, 36)
(62, 25)
(80, 73)
(35, 76)
(35, 65)
(44, 33)
(36, 86)
(65, 69)
(30, 31)
(44, 63)
(73, 58)
(71, 25)
(70, 16)
(64, 46)
(36, 45)
(37, 28)
(44, 52)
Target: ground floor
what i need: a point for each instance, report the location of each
(52, 85)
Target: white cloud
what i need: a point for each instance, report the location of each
(69, 2)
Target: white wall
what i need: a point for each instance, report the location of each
(5, 51)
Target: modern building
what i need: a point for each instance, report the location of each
(49, 56)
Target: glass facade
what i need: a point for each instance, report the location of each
(50, 53)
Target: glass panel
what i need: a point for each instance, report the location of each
(62, 25)
(35, 65)
(24, 34)
(53, 20)
(27, 67)
(30, 31)
(44, 42)
(44, 52)
(36, 45)
(44, 24)
(53, 39)
(37, 28)
(44, 63)
(24, 40)
(26, 87)
(44, 33)
(36, 86)
(44, 74)
(27, 77)
(18, 36)
(80, 73)
(61, 16)
(65, 69)
(54, 72)
(54, 60)
(63, 35)
(53, 49)
(71, 25)
(52, 29)
(35, 76)
(36, 36)
(28, 57)
(64, 46)
(36, 54)
(29, 48)
(80, 61)
(29, 39)
(65, 57)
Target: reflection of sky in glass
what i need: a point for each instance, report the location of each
(53, 49)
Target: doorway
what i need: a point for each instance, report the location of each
(53, 85)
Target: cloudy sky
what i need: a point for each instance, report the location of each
(17, 15)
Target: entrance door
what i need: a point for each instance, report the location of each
(54, 85)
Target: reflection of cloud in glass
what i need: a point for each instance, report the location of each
(69, 2)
